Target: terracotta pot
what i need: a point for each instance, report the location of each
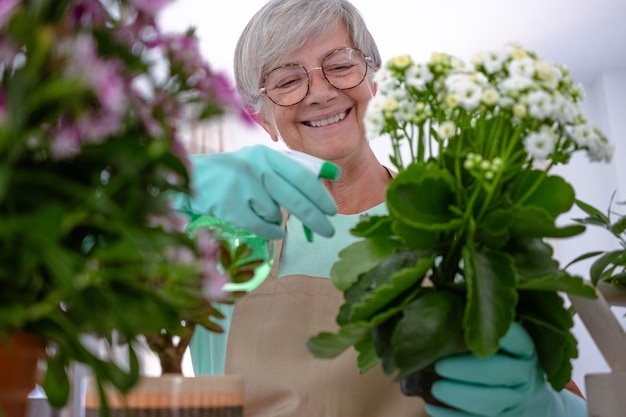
(172, 395)
(19, 356)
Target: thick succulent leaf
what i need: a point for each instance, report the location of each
(415, 238)
(367, 357)
(421, 196)
(493, 230)
(358, 258)
(549, 323)
(535, 221)
(430, 329)
(561, 282)
(386, 282)
(373, 226)
(533, 258)
(382, 340)
(491, 298)
(330, 345)
(553, 194)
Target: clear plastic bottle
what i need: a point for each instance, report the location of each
(260, 249)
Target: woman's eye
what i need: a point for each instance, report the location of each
(339, 68)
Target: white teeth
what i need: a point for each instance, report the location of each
(326, 122)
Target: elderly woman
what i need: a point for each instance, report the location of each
(305, 67)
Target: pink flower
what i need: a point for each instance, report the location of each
(7, 8)
(213, 277)
(151, 7)
(65, 143)
(88, 13)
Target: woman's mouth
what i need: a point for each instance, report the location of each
(329, 121)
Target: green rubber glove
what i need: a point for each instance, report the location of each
(247, 188)
(507, 384)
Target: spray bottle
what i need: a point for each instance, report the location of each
(259, 249)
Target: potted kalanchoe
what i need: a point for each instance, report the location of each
(92, 96)
(462, 253)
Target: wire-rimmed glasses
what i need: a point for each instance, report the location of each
(289, 84)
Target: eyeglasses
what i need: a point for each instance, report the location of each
(289, 84)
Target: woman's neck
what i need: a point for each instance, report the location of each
(361, 186)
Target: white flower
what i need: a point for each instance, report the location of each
(374, 119)
(539, 104)
(516, 83)
(492, 61)
(591, 138)
(466, 90)
(418, 75)
(539, 145)
(524, 67)
(447, 129)
(490, 97)
(548, 73)
(565, 111)
(583, 135)
(384, 81)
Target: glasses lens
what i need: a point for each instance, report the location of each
(286, 85)
(289, 84)
(345, 68)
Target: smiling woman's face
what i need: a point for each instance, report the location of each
(328, 123)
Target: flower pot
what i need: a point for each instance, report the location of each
(172, 395)
(19, 355)
(419, 384)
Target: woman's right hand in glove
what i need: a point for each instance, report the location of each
(247, 188)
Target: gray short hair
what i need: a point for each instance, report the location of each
(283, 26)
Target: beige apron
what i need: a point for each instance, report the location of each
(266, 345)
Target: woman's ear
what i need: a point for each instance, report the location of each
(267, 126)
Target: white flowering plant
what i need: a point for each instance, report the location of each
(462, 253)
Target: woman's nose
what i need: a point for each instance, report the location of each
(319, 85)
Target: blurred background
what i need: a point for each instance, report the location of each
(589, 36)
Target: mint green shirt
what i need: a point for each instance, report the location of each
(298, 257)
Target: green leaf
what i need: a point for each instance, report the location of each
(415, 238)
(367, 357)
(598, 270)
(549, 323)
(553, 194)
(429, 330)
(358, 258)
(421, 196)
(533, 258)
(373, 227)
(491, 298)
(493, 230)
(387, 281)
(536, 221)
(562, 282)
(593, 212)
(330, 345)
(56, 382)
(619, 226)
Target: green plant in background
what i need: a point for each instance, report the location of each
(92, 95)
(610, 265)
(461, 254)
